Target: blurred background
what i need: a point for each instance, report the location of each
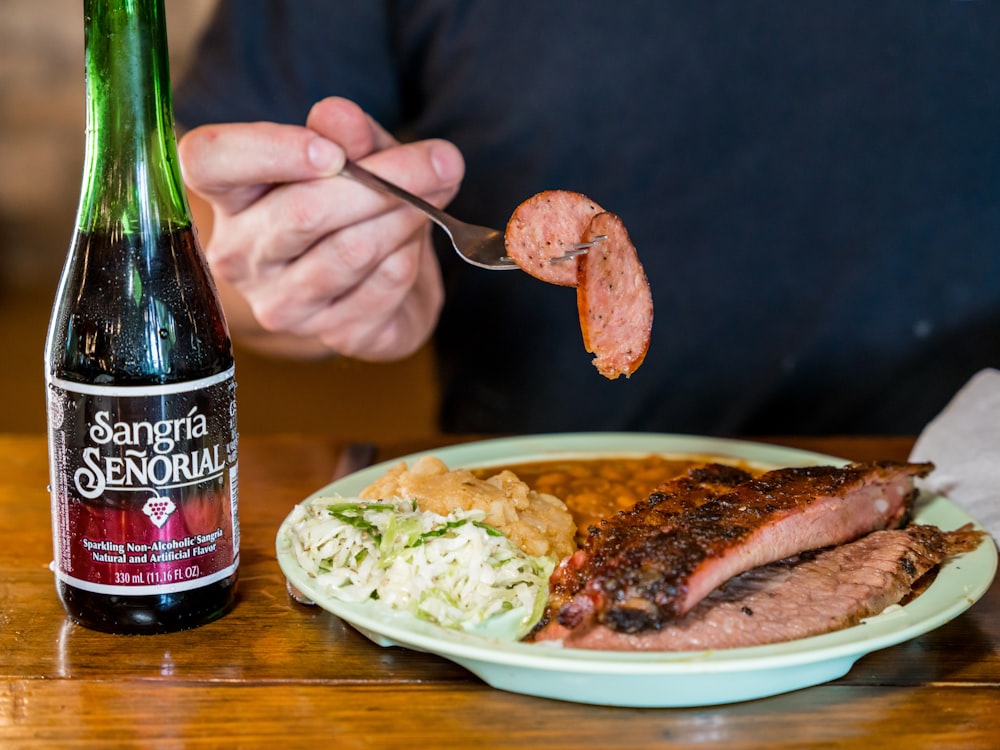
(41, 161)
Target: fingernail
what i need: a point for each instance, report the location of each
(325, 156)
(444, 163)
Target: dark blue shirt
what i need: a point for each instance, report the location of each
(813, 188)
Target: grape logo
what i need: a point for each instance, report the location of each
(159, 509)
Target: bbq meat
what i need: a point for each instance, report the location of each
(613, 299)
(683, 493)
(807, 595)
(644, 568)
(546, 227)
(545, 235)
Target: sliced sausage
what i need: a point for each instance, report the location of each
(614, 299)
(546, 226)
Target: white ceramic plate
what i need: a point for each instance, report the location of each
(657, 679)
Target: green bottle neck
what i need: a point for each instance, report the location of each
(132, 183)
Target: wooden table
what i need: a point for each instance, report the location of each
(274, 673)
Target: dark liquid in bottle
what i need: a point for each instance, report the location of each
(149, 614)
(130, 315)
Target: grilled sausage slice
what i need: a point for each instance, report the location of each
(613, 299)
(547, 226)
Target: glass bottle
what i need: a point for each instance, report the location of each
(138, 362)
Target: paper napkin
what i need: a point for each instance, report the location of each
(963, 441)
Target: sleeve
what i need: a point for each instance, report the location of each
(273, 59)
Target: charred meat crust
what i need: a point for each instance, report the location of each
(669, 499)
(644, 569)
(813, 593)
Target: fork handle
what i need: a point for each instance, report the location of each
(373, 181)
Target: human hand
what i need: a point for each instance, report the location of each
(315, 256)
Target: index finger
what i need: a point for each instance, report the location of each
(232, 165)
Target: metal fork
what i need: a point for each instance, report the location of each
(480, 246)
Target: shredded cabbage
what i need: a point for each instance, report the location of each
(454, 570)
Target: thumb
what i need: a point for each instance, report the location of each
(345, 123)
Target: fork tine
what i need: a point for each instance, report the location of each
(580, 248)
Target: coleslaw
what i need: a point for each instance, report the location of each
(455, 570)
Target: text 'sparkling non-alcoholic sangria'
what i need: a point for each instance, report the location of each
(139, 363)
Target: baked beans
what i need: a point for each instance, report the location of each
(597, 488)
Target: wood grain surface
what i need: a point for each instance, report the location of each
(274, 673)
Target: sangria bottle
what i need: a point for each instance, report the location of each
(138, 363)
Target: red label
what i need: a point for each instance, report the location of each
(144, 485)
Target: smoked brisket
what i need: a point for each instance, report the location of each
(649, 566)
(810, 594)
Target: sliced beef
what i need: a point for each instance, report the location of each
(808, 595)
(684, 493)
(646, 574)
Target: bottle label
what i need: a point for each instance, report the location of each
(144, 485)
